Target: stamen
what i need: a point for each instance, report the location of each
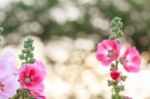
(110, 53)
(1, 87)
(28, 79)
(123, 61)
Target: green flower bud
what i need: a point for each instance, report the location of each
(31, 60)
(27, 51)
(117, 19)
(31, 55)
(31, 48)
(25, 45)
(123, 78)
(21, 56)
(120, 24)
(24, 51)
(112, 37)
(30, 44)
(121, 34)
(26, 40)
(113, 67)
(109, 82)
(1, 29)
(116, 24)
(114, 29)
(113, 24)
(30, 40)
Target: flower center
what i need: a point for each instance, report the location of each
(1, 87)
(28, 79)
(110, 53)
(123, 61)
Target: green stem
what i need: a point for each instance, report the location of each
(116, 65)
(117, 95)
(116, 92)
(22, 94)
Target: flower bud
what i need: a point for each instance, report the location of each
(31, 60)
(115, 75)
(31, 55)
(110, 82)
(25, 45)
(30, 39)
(114, 29)
(21, 56)
(123, 78)
(24, 51)
(31, 48)
(120, 24)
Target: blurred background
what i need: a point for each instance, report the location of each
(66, 33)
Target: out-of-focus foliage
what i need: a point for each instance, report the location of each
(72, 17)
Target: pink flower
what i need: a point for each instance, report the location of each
(8, 86)
(8, 75)
(8, 62)
(31, 76)
(115, 75)
(108, 51)
(131, 60)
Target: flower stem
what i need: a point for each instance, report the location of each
(116, 65)
(117, 95)
(115, 85)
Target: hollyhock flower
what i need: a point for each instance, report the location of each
(8, 75)
(31, 76)
(131, 60)
(8, 86)
(8, 62)
(108, 51)
(115, 75)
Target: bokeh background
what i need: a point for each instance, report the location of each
(66, 33)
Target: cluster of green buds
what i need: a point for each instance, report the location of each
(116, 25)
(27, 55)
(22, 94)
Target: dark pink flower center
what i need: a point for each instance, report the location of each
(28, 79)
(110, 53)
(1, 87)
